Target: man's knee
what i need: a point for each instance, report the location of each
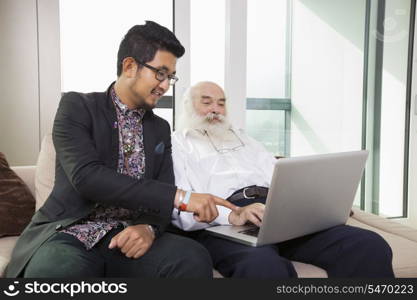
(264, 262)
(59, 258)
(198, 257)
(368, 255)
(374, 245)
(45, 264)
(188, 259)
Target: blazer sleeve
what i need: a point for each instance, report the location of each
(90, 177)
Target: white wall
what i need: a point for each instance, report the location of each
(49, 63)
(19, 100)
(29, 76)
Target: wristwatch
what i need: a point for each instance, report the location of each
(153, 229)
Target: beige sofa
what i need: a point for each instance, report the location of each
(402, 239)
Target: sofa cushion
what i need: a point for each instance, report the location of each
(6, 247)
(17, 204)
(45, 171)
(386, 225)
(308, 271)
(303, 271)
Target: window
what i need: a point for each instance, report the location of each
(393, 102)
(91, 32)
(268, 95)
(327, 77)
(207, 41)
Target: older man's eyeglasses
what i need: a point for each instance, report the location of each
(160, 74)
(230, 148)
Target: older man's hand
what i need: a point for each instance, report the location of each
(204, 206)
(251, 213)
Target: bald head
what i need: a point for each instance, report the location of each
(208, 97)
(206, 88)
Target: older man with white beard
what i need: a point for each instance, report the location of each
(212, 156)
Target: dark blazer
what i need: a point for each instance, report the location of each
(86, 140)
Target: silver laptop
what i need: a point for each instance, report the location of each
(307, 194)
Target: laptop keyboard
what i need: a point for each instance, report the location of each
(251, 231)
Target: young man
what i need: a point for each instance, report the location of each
(211, 156)
(114, 186)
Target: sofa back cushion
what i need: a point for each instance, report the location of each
(45, 171)
(17, 204)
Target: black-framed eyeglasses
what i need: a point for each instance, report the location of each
(225, 150)
(160, 74)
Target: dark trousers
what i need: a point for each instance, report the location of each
(170, 256)
(343, 251)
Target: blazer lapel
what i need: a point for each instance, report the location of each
(110, 114)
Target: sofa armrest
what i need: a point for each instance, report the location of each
(27, 173)
(386, 225)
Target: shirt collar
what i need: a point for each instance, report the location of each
(121, 107)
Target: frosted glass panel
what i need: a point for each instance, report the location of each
(91, 31)
(207, 49)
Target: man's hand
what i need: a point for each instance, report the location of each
(252, 213)
(204, 206)
(133, 241)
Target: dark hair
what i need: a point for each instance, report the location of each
(143, 41)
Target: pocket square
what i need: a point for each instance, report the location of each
(159, 149)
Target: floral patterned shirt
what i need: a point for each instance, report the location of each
(91, 229)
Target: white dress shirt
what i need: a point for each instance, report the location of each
(204, 165)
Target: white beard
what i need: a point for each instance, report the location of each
(218, 131)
